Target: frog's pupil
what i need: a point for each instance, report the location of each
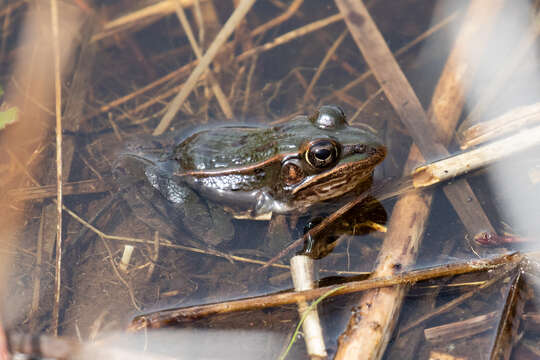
(322, 153)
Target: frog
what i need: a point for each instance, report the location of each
(211, 176)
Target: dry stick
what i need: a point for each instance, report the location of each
(69, 188)
(406, 227)
(134, 18)
(283, 39)
(291, 10)
(220, 39)
(366, 103)
(220, 96)
(167, 317)
(249, 79)
(509, 122)
(457, 301)
(447, 169)
(170, 76)
(70, 121)
(36, 275)
(323, 63)
(291, 35)
(58, 110)
(302, 270)
(509, 324)
(397, 54)
(314, 232)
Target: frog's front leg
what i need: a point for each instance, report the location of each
(206, 221)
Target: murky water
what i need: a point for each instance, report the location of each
(123, 65)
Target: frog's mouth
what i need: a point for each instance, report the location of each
(338, 180)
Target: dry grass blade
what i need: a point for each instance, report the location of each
(291, 10)
(58, 111)
(291, 35)
(135, 18)
(218, 42)
(69, 188)
(220, 95)
(323, 63)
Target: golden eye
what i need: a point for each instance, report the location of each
(322, 153)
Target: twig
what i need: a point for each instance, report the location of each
(459, 300)
(70, 188)
(220, 39)
(323, 63)
(302, 276)
(314, 232)
(170, 76)
(117, 273)
(366, 103)
(283, 39)
(291, 10)
(167, 317)
(397, 54)
(291, 35)
(510, 318)
(58, 110)
(36, 273)
(167, 243)
(457, 165)
(512, 121)
(137, 17)
(220, 96)
(249, 79)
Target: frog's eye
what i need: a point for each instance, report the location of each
(322, 153)
(329, 117)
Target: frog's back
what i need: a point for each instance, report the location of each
(226, 147)
(237, 146)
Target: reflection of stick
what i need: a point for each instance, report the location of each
(302, 275)
(457, 165)
(461, 329)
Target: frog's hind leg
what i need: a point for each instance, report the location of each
(206, 221)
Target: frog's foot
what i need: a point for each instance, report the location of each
(320, 246)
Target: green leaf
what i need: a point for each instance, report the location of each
(8, 116)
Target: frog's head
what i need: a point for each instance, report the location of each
(336, 159)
